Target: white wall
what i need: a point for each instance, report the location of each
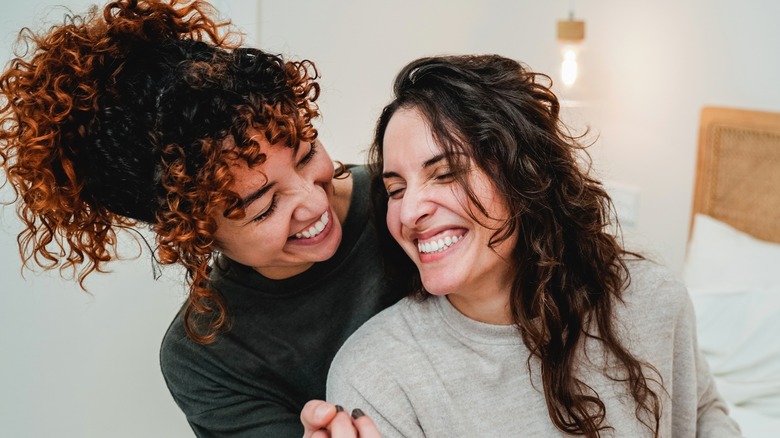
(74, 365)
(83, 365)
(646, 69)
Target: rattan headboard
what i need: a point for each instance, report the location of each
(738, 170)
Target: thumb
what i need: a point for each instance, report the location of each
(315, 415)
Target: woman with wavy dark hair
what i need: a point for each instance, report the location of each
(147, 113)
(527, 316)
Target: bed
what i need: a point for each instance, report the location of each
(732, 265)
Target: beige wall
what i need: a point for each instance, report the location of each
(646, 69)
(75, 365)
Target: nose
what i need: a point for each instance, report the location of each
(312, 200)
(416, 206)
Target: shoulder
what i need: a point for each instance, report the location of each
(385, 341)
(377, 369)
(178, 354)
(651, 281)
(359, 172)
(655, 295)
(358, 209)
(360, 180)
(187, 365)
(174, 340)
(388, 328)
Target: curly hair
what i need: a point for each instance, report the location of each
(569, 270)
(132, 116)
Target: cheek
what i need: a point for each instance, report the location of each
(393, 221)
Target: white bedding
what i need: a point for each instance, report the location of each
(734, 281)
(755, 424)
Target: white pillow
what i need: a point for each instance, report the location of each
(738, 334)
(735, 287)
(721, 257)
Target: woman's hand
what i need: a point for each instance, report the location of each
(323, 420)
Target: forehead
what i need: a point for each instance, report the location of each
(409, 142)
(408, 138)
(277, 164)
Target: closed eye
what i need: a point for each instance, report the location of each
(309, 155)
(444, 176)
(267, 212)
(395, 193)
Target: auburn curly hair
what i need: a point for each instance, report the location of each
(569, 270)
(117, 118)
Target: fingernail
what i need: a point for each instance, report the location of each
(339, 408)
(357, 413)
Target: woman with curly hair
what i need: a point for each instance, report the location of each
(146, 114)
(527, 316)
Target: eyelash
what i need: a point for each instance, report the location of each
(305, 160)
(268, 212)
(394, 193)
(444, 178)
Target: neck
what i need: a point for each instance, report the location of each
(488, 307)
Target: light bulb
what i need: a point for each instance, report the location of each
(569, 67)
(571, 32)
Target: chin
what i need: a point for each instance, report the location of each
(438, 287)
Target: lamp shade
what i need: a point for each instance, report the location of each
(571, 31)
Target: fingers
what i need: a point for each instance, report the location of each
(341, 426)
(316, 414)
(321, 419)
(364, 425)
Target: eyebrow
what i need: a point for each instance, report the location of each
(428, 163)
(257, 194)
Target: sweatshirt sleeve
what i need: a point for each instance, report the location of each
(712, 417)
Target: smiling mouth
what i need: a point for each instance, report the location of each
(314, 230)
(438, 245)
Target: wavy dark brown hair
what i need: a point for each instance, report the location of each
(495, 113)
(131, 116)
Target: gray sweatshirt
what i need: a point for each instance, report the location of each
(423, 369)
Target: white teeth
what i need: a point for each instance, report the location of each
(314, 229)
(437, 245)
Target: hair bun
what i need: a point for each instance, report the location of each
(58, 97)
(154, 20)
